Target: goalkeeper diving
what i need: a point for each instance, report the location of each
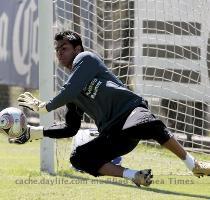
(121, 116)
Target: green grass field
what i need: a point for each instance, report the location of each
(20, 178)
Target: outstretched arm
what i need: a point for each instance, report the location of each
(65, 130)
(86, 67)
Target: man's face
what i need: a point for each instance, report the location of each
(65, 53)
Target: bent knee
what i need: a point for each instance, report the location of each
(87, 163)
(162, 133)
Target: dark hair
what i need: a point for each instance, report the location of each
(72, 37)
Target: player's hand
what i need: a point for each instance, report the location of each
(29, 101)
(21, 139)
(31, 133)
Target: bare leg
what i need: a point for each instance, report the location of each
(143, 177)
(110, 169)
(173, 145)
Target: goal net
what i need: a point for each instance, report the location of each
(159, 49)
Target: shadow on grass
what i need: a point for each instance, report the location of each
(176, 193)
(126, 183)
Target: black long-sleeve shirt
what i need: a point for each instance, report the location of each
(93, 89)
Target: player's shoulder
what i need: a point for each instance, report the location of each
(86, 56)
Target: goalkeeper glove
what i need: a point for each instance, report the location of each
(31, 133)
(29, 101)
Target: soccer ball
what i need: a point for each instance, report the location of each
(13, 122)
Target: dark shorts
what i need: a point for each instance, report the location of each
(91, 156)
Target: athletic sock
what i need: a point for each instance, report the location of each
(129, 173)
(189, 161)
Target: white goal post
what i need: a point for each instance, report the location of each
(46, 80)
(159, 49)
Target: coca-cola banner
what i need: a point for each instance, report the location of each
(19, 43)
